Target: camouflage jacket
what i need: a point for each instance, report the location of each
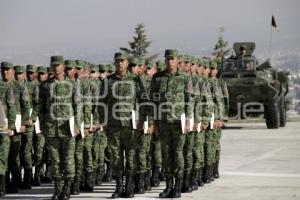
(172, 96)
(118, 98)
(217, 97)
(95, 86)
(59, 101)
(7, 108)
(203, 102)
(22, 100)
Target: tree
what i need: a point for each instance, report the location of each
(220, 49)
(140, 43)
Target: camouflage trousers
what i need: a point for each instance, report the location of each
(99, 146)
(88, 164)
(14, 158)
(155, 152)
(78, 156)
(188, 151)
(26, 150)
(172, 142)
(218, 135)
(143, 152)
(62, 156)
(210, 147)
(120, 140)
(38, 148)
(198, 150)
(4, 150)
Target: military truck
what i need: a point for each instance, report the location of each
(255, 89)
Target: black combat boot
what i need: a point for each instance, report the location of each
(2, 185)
(99, 175)
(167, 191)
(27, 179)
(108, 175)
(13, 187)
(75, 186)
(211, 175)
(65, 193)
(48, 177)
(88, 184)
(147, 180)
(139, 184)
(37, 176)
(186, 183)
(155, 177)
(57, 189)
(176, 192)
(129, 187)
(194, 179)
(200, 178)
(119, 187)
(216, 170)
(207, 172)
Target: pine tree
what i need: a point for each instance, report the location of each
(140, 43)
(220, 49)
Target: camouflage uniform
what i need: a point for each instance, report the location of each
(60, 101)
(8, 111)
(121, 94)
(171, 93)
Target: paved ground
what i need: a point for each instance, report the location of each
(257, 163)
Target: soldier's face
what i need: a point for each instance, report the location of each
(200, 70)
(7, 74)
(31, 76)
(70, 72)
(213, 72)
(80, 73)
(206, 72)
(58, 69)
(42, 77)
(94, 75)
(135, 70)
(142, 69)
(171, 62)
(121, 65)
(152, 71)
(20, 76)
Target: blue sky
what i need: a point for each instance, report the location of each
(32, 30)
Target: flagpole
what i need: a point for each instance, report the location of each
(270, 44)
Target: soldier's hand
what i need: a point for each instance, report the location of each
(10, 132)
(23, 128)
(86, 132)
(150, 129)
(140, 125)
(216, 124)
(195, 127)
(77, 131)
(204, 126)
(187, 126)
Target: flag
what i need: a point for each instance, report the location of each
(273, 23)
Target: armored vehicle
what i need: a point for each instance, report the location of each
(255, 89)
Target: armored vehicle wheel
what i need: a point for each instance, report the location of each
(272, 116)
(282, 112)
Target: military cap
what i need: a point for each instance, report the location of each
(80, 64)
(42, 69)
(150, 64)
(121, 56)
(205, 63)
(111, 67)
(70, 64)
(134, 61)
(142, 61)
(49, 70)
(194, 60)
(19, 69)
(94, 68)
(57, 60)
(6, 65)
(180, 57)
(187, 58)
(102, 67)
(31, 68)
(200, 61)
(171, 53)
(213, 64)
(160, 65)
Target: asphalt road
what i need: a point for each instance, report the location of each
(257, 163)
